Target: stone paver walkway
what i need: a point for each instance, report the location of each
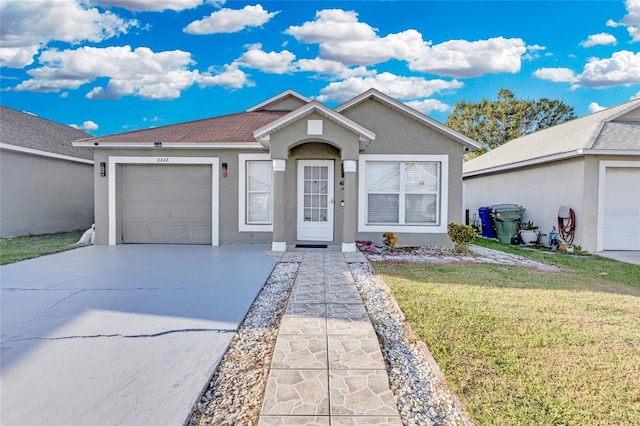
(327, 367)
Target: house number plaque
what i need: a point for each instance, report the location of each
(162, 160)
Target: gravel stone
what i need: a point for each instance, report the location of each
(421, 398)
(236, 390)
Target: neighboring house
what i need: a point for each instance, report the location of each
(287, 171)
(46, 184)
(590, 164)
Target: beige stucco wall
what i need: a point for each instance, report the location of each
(41, 195)
(541, 190)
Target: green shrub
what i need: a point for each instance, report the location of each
(461, 235)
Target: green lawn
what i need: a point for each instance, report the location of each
(20, 248)
(526, 347)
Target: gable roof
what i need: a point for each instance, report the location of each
(314, 107)
(32, 134)
(412, 113)
(265, 105)
(234, 129)
(606, 130)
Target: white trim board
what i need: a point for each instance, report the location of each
(409, 229)
(215, 183)
(602, 176)
(242, 194)
(41, 153)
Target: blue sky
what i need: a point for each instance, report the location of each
(110, 66)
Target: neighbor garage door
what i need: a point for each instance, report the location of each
(622, 209)
(166, 204)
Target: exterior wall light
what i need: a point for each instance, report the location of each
(103, 169)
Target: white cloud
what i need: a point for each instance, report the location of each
(231, 20)
(636, 96)
(594, 107)
(557, 75)
(28, 26)
(320, 66)
(534, 51)
(398, 87)
(18, 57)
(150, 5)
(631, 20)
(269, 62)
(343, 38)
(406, 45)
(231, 77)
(333, 68)
(621, 68)
(462, 58)
(87, 125)
(332, 25)
(140, 72)
(425, 106)
(598, 40)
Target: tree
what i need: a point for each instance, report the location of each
(492, 123)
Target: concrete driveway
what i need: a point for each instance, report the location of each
(128, 334)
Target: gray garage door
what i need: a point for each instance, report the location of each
(166, 204)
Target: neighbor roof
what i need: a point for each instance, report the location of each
(602, 130)
(20, 129)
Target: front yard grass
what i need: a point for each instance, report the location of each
(524, 347)
(15, 249)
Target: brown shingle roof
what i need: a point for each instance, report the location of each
(227, 128)
(29, 131)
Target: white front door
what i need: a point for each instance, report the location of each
(315, 200)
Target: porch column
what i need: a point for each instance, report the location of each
(349, 212)
(279, 243)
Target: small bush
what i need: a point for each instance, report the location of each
(461, 235)
(390, 240)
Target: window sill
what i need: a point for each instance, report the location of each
(404, 229)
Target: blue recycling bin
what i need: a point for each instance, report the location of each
(486, 219)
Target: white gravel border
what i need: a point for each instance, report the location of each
(415, 379)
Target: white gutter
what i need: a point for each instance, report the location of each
(41, 153)
(549, 158)
(176, 145)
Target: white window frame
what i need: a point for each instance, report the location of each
(243, 226)
(443, 203)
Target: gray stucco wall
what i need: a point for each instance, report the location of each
(397, 133)
(228, 216)
(293, 143)
(41, 195)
